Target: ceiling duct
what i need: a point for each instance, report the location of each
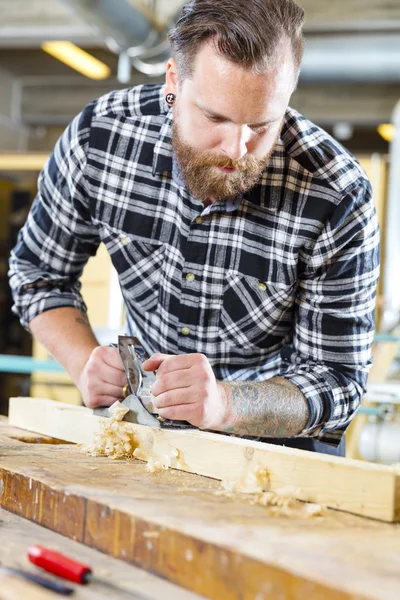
(141, 40)
(352, 58)
(119, 20)
(138, 38)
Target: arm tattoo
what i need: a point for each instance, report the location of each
(273, 408)
(83, 320)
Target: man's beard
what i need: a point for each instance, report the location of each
(207, 183)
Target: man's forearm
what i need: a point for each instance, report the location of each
(273, 408)
(67, 335)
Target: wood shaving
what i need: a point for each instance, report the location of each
(282, 498)
(281, 502)
(314, 510)
(117, 441)
(117, 411)
(256, 484)
(156, 462)
(113, 440)
(159, 453)
(254, 481)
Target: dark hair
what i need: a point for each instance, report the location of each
(247, 32)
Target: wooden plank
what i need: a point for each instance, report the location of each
(355, 486)
(17, 534)
(175, 525)
(26, 436)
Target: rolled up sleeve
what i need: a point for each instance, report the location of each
(58, 237)
(330, 356)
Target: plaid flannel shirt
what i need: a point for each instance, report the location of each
(281, 281)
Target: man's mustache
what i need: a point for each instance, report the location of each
(224, 162)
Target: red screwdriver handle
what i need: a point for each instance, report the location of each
(58, 564)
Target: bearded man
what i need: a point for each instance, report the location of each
(244, 237)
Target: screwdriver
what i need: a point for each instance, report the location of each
(59, 564)
(68, 568)
(54, 586)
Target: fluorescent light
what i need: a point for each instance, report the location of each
(23, 162)
(386, 131)
(77, 59)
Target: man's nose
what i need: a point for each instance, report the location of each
(234, 144)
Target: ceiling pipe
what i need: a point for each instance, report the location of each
(138, 38)
(362, 58)
(150, 69)
(330, 57)
(119, 20)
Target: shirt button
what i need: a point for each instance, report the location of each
(262, 287)
(185, 330)
(198, 220)
(124, 240)
(190, 277)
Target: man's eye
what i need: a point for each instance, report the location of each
(213, 119)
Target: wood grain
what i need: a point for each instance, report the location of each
(26, 436)
(350, 485)
(17, 534)
(173, 524)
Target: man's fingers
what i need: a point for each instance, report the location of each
(104, 388)
(167, 363)
(154, 362)
(110, 356)
(103, 378)
(173, 398)
(171, 381)
(180, 412)
(103, 365)
(106, 374)
(102, 400)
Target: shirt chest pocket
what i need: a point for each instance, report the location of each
(256, 314)
(139, 265)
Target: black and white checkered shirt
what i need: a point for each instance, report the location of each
(282, 281)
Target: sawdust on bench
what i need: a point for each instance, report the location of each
(116, 441)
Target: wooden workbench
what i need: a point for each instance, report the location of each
(176, 524)
(17, 534)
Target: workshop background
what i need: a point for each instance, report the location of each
(349, 84)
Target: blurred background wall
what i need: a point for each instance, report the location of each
(349, 84)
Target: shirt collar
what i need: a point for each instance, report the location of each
(162, 157)
(268, 193)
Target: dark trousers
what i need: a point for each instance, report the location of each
(309, 444)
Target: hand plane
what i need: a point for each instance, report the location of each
(139, 400)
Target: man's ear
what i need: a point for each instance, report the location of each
(171, 77)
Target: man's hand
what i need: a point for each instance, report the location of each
(186, 390)
(103, 378)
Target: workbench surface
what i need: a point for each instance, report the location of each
(179, 526)
(17, 534)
